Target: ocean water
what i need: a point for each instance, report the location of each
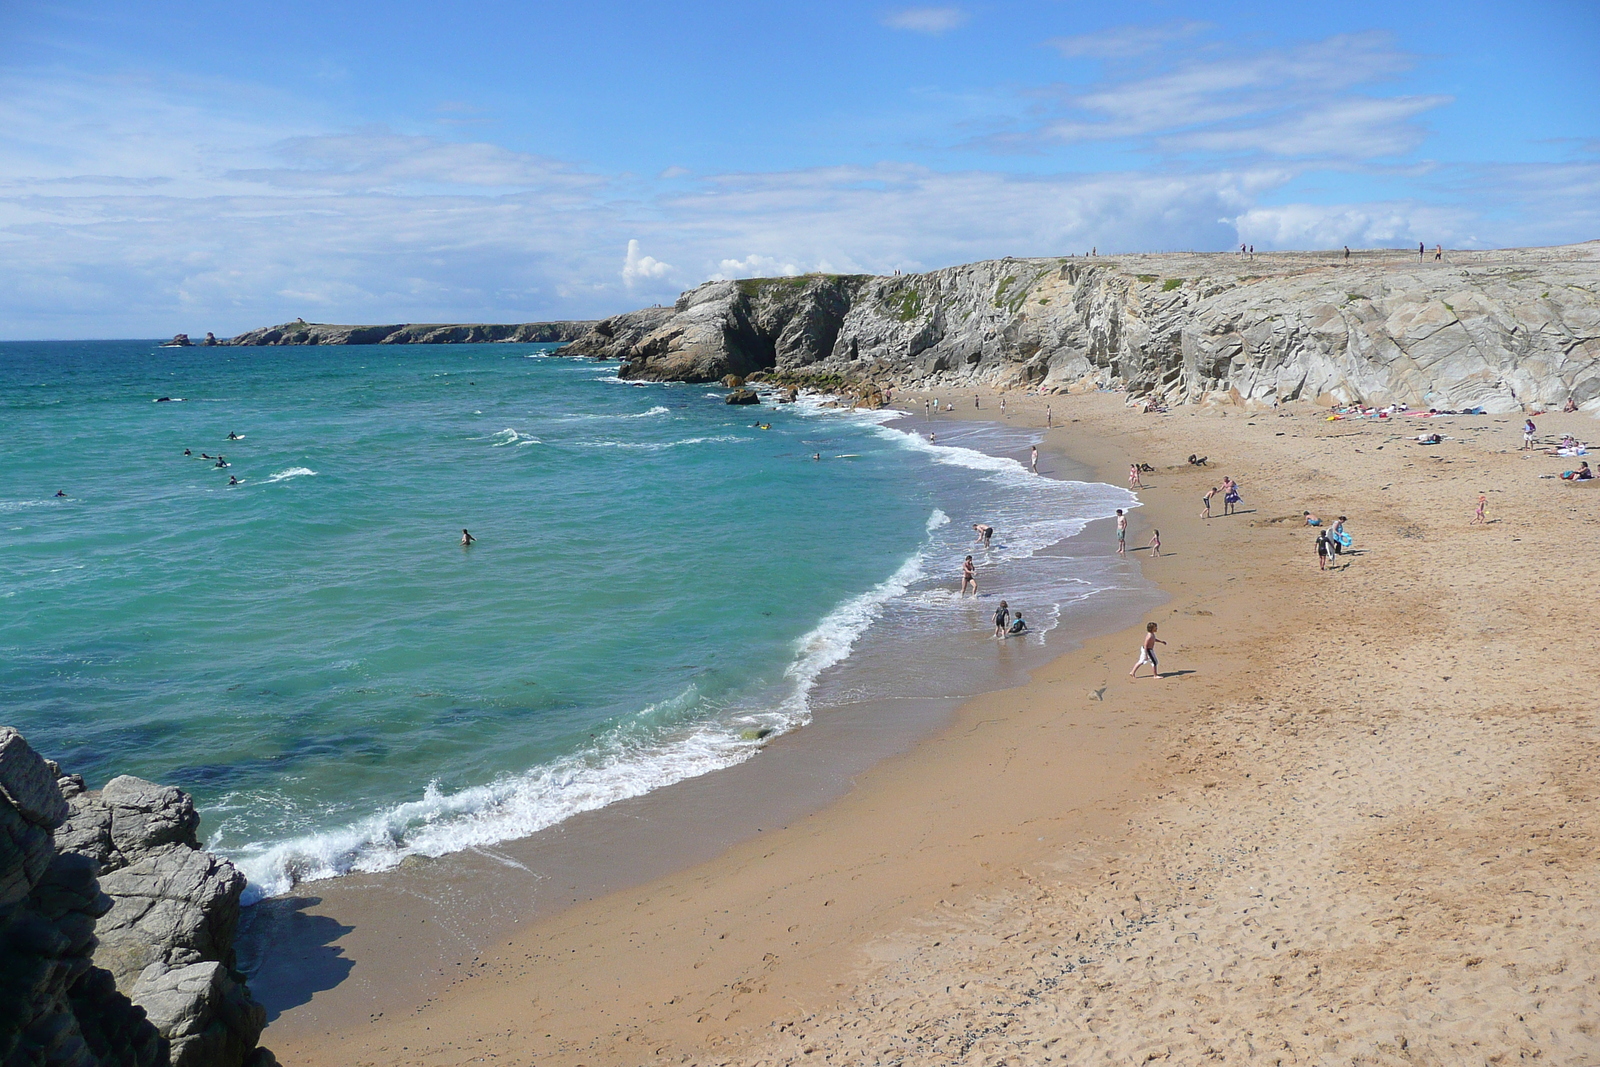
(658, 584)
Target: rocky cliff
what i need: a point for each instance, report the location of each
(116, 928)
(1508, 330)
(301, 332)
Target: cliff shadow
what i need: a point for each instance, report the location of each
(288, 953)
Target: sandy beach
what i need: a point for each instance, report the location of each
(1351, 822)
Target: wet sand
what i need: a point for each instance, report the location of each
(1353, 822)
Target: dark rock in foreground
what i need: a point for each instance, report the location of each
(301, 332)
(116, 928)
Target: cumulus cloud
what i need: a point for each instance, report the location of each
(757, 266)
(929, 20)
(637, 267)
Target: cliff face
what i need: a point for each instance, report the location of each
(116, 928)
(301, 332)
(1506, 330)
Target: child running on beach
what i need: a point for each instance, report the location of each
(1480, 518)
(1155, 543)
(1147, 652)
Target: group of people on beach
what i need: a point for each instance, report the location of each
(1006, 622)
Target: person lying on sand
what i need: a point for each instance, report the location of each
(1017, 626)
(1312, 520)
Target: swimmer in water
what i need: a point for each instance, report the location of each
(466, 538)
(816, 457)
(232, 436)
(61, 492)
(969, 576)
(233, 479)
(221, 462)
(187, 452)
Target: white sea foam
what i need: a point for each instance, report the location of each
(657, 446)
(292, 472)
(509, 436)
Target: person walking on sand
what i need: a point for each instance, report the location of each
(1155, 543)
(1322, 551)
(969, 576)
(1033, 459)
(1147, 652)
(1528, 430)
(1047, 423)
(1205, 503)
(1003, 414)
(1122, 532)
(1480, 518)
(1133, 477)
(466, 539)
(1002, 618)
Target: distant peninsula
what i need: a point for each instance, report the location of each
(301, 332)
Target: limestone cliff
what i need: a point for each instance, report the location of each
(301, 332)
(1508, 330)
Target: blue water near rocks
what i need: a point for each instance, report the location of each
(657, 582)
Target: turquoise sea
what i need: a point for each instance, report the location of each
(657, 582)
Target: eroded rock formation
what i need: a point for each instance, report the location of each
(116, 928)
(1506, 330)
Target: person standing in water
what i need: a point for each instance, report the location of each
(1033, 459)
(985, 532)
(969, 576)
(466, 538)
(1002, 618)
(1147, 652)
(1122, 532)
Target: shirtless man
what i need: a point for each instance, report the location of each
(969, 576)
(466, 539)
(1122, 532)
(1147, 652)
(985, 532)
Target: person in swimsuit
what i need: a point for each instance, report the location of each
(1230, 499)
(985, 532)
(466, 539)
(61, 492)
(1017, 626)
(1122, 533)
(1155, 543)
(1033, 459)
(1133, 477)
(232, 436)
(1205, 503)
(969, 576)
(1002, 616)
(1480, 518)
(1528, 430)
(1322, 551)
(233, 479)
(1147, 652)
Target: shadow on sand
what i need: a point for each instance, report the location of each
(290, 956)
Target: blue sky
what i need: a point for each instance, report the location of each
(189, 166)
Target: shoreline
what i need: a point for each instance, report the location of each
(1314, 836)
(330, 950)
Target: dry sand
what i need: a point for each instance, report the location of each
(1353, 822)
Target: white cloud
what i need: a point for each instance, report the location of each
(1124, 41)
(637, 267)
(757, 266)
(930, 20)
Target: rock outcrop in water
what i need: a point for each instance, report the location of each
(301, 332)
(116, 928)
(1508, 330)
